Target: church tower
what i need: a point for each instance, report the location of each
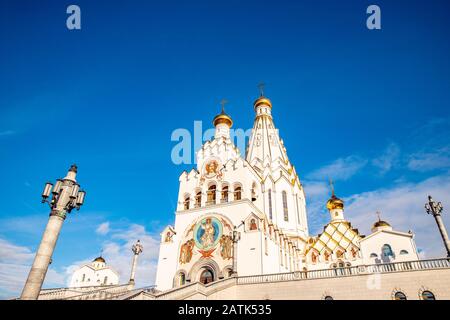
(236, 216)
(284, 197)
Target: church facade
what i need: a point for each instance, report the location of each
(245, 215)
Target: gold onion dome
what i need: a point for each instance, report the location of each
(99, 259)
(223, 118)
(335, 203)
(262, 101)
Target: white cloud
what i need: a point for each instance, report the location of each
(426, 161)
(15, 263)
(388, 159)
(103, 228)
(403, 207)
(118, 255)
(340, 169)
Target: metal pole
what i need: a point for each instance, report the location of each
(66, 195)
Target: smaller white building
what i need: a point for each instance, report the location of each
(385, 245)
(97, 273)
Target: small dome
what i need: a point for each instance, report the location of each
(381, 223)
(262, 101)
(99, 259)
(223, 118)
(335, 203)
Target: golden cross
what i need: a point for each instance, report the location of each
(261, 88)
(223, 102)
(378, 214)
(332, 187)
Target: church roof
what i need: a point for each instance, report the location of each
(99, 259)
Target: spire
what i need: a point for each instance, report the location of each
(265, 145)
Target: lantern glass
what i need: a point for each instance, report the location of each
(57, 187)
(80, 198)
(47, 189)
(74, 192)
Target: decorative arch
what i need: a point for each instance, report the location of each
(176, 278)
(424, 293)
(398, 294)
(202, 264)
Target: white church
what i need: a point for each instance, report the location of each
(260, 198)
(241, 232)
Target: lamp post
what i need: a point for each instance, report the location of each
(137, 249)
(66, 195)
(435, 209)
(235, 237)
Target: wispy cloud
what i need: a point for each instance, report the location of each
(388, 159)
(340, 169)
(430, 160)
(103, 228)
(15, 263)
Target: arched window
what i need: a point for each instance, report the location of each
(285, 206)
(237, 192)
(224, 193)
(206, 276)
(270, 204)
(105, 280)
(428, 295)
(211, 194)
(254, 191)
(181, 279)
(403, 252)
(387, 251)
(198, 199)
(373, 255)
(328, 298)
(187, 200)
(399, 296)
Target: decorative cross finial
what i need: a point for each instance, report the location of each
(332, 187)
(261, 86)
(378, 214)
(223, 102)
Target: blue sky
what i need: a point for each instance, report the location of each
(368, 108)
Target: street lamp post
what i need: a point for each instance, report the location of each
(235, 237)
(137, 249)
(435, 209)
(66, 195)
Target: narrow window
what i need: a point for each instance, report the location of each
(225, 194)
(237, 193)
(285, 207)
(198, 199)
(105, 280)
(270, 204)
(187, 200)
(211, 194)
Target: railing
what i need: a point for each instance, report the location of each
(348, 271)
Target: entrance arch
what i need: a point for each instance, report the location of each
(198, 273)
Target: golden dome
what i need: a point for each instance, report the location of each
(335, 203)
(381, 223)
(99, 259)
(223, 118)
(262, 101)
